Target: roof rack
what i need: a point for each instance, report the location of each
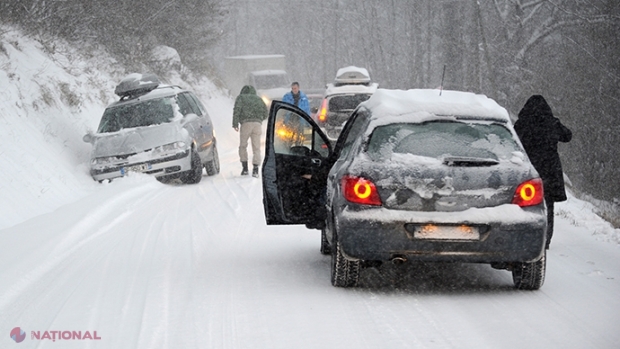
(352, 75)
(135, 85)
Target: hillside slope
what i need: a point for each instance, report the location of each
(50, 95)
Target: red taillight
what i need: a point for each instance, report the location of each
(360, 191)
(322, 115)
(529, 193)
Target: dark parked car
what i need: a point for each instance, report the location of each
(414, 175)
(154, 128)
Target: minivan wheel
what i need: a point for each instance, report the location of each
(194, 175)
(345, 273)
(530, 276)
(213, 167)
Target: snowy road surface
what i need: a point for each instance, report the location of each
(149, 265)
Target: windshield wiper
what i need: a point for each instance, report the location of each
(463, 161)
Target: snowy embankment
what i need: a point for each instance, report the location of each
(50, 95)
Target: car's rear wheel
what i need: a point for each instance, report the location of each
(194, 175)
(530, 276)
(345, 273)
(213, 167)
(326, 249)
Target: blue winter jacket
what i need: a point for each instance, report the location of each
(304, 104)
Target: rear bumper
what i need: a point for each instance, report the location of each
(508, 234)
(168, 166)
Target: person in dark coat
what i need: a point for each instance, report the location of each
(249, 112)
(540, 133)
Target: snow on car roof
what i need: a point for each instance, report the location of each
(331, 89)
(417, 105)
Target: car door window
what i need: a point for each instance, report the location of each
(353, 133)
(293, 135)
(184, 105)
(197, 107)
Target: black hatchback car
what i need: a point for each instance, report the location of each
(414, 175)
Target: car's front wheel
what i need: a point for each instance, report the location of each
(345, 273)
(213, 167)
(530, 276)
(194, 175)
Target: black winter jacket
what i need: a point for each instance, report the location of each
(540, 133)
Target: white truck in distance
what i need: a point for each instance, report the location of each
(267, 73)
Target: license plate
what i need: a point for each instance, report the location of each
(136, 168)
(446, 232)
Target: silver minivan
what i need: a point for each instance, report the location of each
(154, 128)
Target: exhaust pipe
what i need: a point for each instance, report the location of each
(398, 260)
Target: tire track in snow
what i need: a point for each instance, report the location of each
(77, 238)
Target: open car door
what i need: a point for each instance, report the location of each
(295, 167)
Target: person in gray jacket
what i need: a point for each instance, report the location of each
(248, 115)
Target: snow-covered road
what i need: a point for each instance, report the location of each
(139, 264)
(149, 265)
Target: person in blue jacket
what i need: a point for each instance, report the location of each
(297, 98)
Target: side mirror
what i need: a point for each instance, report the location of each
(89, 138)
(189, 117)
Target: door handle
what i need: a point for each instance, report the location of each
(316, 161)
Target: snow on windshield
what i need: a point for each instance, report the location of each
(440, 139)
(145, 113)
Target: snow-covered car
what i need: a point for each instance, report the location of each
(414, 176)
(351, 86)
(156, 129)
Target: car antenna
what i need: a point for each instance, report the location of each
(442, 76)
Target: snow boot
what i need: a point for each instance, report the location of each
(255, 171)
(244, 172)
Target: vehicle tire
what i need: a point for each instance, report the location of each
(213, 167)
(530, 276)
(194, 175)
(326, 249)
(345, 273)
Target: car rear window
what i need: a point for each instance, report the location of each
(346, 103)
(440, 139)
(145, 113)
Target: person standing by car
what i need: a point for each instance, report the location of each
(540, 133)
(297, 98)
(249, 112)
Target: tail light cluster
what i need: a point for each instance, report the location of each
(529, 193)
(362, 191)
(322, 114)
(359, 190)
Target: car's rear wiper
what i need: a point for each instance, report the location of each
(468, 161)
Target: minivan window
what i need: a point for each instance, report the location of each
(185, 106)
(346, 103)
(193, 103)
